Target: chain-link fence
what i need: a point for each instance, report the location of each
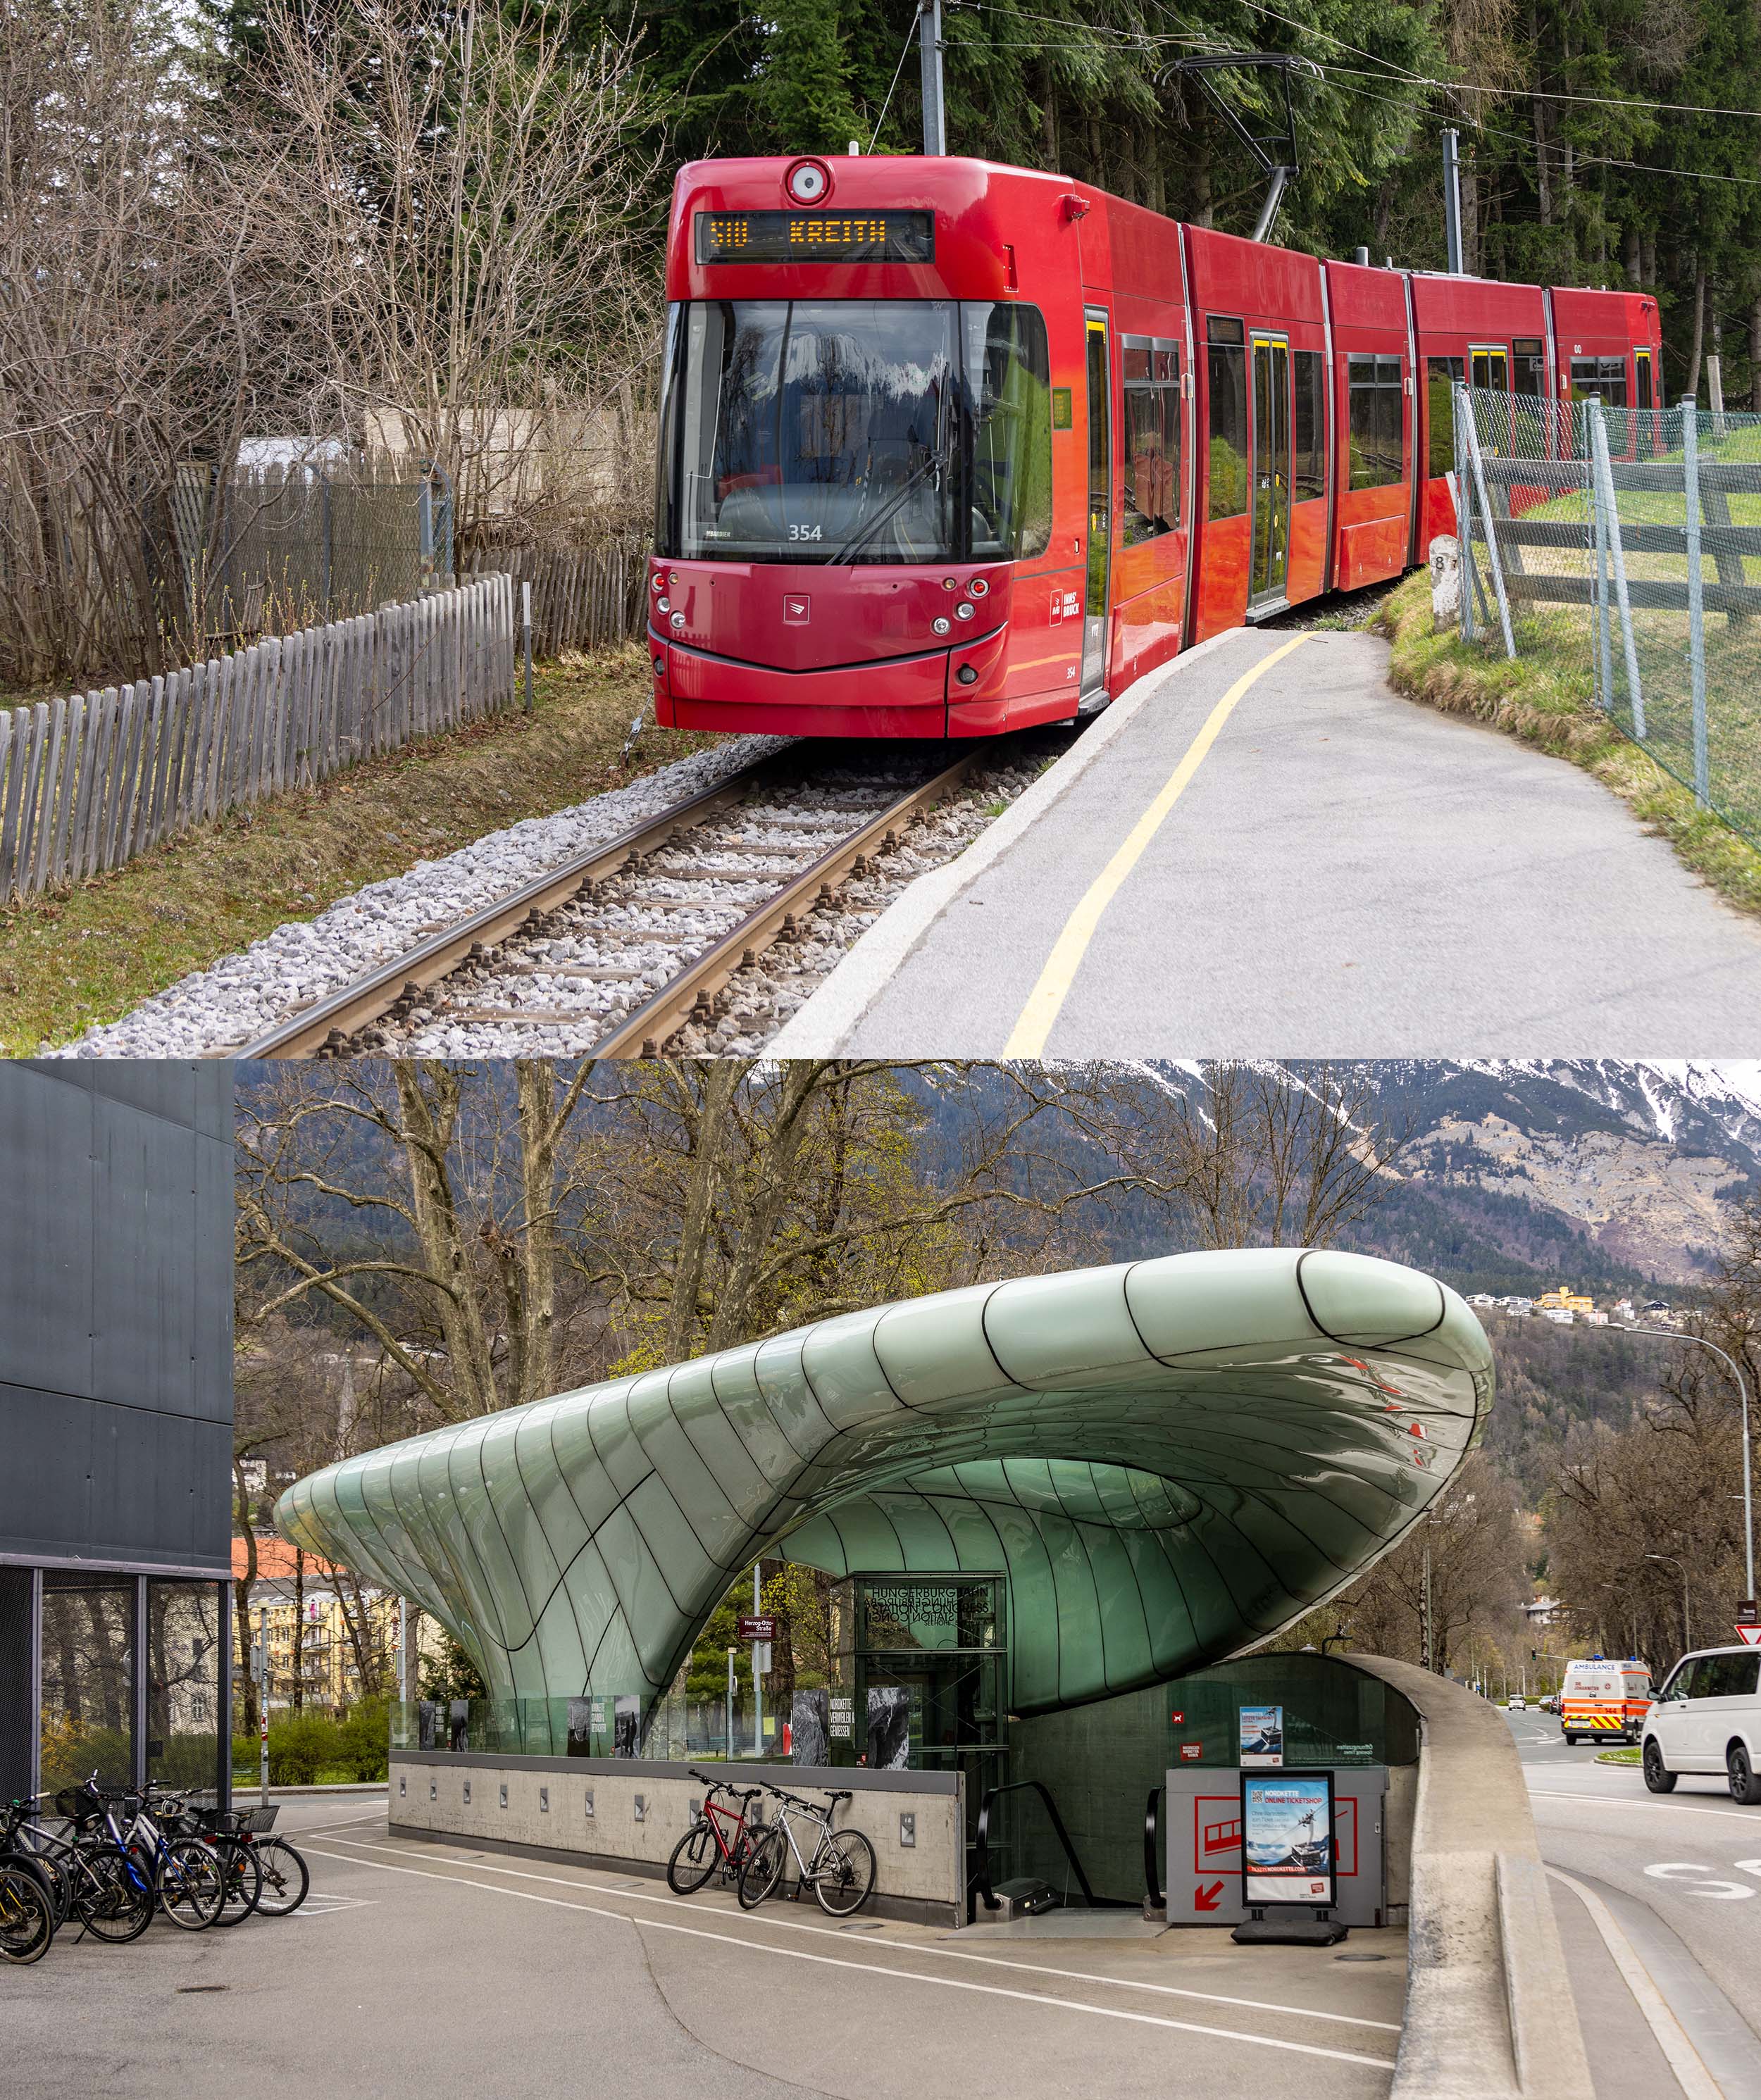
(1611, 545)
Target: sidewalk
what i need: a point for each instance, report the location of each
(1321, 866)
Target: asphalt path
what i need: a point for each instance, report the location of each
(1658, 1898)
(1315, 864)
(426, 1971)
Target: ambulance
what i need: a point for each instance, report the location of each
(1604, 1699)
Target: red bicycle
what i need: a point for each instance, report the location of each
(707, 1848)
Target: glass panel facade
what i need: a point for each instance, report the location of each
(184, 1703)
(88, 1678)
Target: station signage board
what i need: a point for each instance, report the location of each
(1287, 1850)
(750, 1628)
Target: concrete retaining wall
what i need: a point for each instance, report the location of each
(1490, 2011)
(629, 1813)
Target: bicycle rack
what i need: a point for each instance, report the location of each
(982, 1847)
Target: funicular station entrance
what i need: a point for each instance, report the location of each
(1058, 1514)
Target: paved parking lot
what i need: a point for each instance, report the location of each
(431, 1970)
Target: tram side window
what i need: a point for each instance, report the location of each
(1441, 375)
(1151, 372)
(1600, 379)
(1226, 371)
(1528, 365)
(1308, 427)
(1378, 452)
(1008, 371)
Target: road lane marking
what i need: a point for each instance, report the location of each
(1683, 2059)
(1663, 1807)
(904, 1946)
(1666, 1870)
(875, 1968)
(1045, 1002)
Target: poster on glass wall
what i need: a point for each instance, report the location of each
(1262, 1735)
(1286, 1825)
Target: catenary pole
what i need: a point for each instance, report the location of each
(929, 58)
(1452, 203)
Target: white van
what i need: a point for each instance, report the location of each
(1707, 1719)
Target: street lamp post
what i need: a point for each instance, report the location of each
(1686, 1633)
(1748, 1492)
(731, 1653)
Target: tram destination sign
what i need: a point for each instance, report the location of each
(823, 236)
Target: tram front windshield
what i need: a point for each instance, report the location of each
(853, 431)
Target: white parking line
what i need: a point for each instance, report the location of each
(875, 1968)
(900, 1947)
(1696, 2081)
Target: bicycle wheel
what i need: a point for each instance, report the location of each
(190, 1890)
(693, 1860)
(241, 1874)
(113, 1904)
(27, 1917)
(763, 1870)
(286, 1879)
(844, 1877)
(48, 1876)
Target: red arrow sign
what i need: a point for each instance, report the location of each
(1205, 1899)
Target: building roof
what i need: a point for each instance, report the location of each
(275, 1557)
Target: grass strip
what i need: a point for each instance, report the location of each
(1548, 701)
(90, 953)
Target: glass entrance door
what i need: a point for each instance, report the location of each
(1271, 469)
(1100, 505)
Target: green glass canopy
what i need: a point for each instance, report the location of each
(1168, 1459)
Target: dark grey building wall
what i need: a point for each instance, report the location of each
(115, 1312)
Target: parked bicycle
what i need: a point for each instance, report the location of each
(840, 1871)
(27, 1911)
(720, 1841)
(92, 1877)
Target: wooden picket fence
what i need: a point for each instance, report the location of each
(581, 598)
(88, 782)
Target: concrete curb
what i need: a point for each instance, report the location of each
(1489, 2011)
(819, 1028)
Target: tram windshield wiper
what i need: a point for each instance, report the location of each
(934, 466)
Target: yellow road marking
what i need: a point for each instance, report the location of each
(1046, 1001)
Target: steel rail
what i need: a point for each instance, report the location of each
(691, 994)
(332, 1020)
(352, 1006)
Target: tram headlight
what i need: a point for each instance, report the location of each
(679, 619)
(808, 183)
(663, 605)
(938, 625)
(963, 611)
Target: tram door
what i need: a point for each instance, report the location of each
(1100, 505)
(1271, 469)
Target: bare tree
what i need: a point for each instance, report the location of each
(484, 284)
(149, 272)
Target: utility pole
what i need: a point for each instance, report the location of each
(757, 1678)
(262, 1701)
(731, 1653)
(929, 59)
(1452, 203)
(1425, 1608)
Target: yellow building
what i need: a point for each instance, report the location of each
(1564, 1300)
(319, 1635)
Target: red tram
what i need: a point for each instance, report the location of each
(949, 448)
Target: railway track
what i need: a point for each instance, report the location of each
(772, 843)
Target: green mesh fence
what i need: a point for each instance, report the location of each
(1610, 545)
